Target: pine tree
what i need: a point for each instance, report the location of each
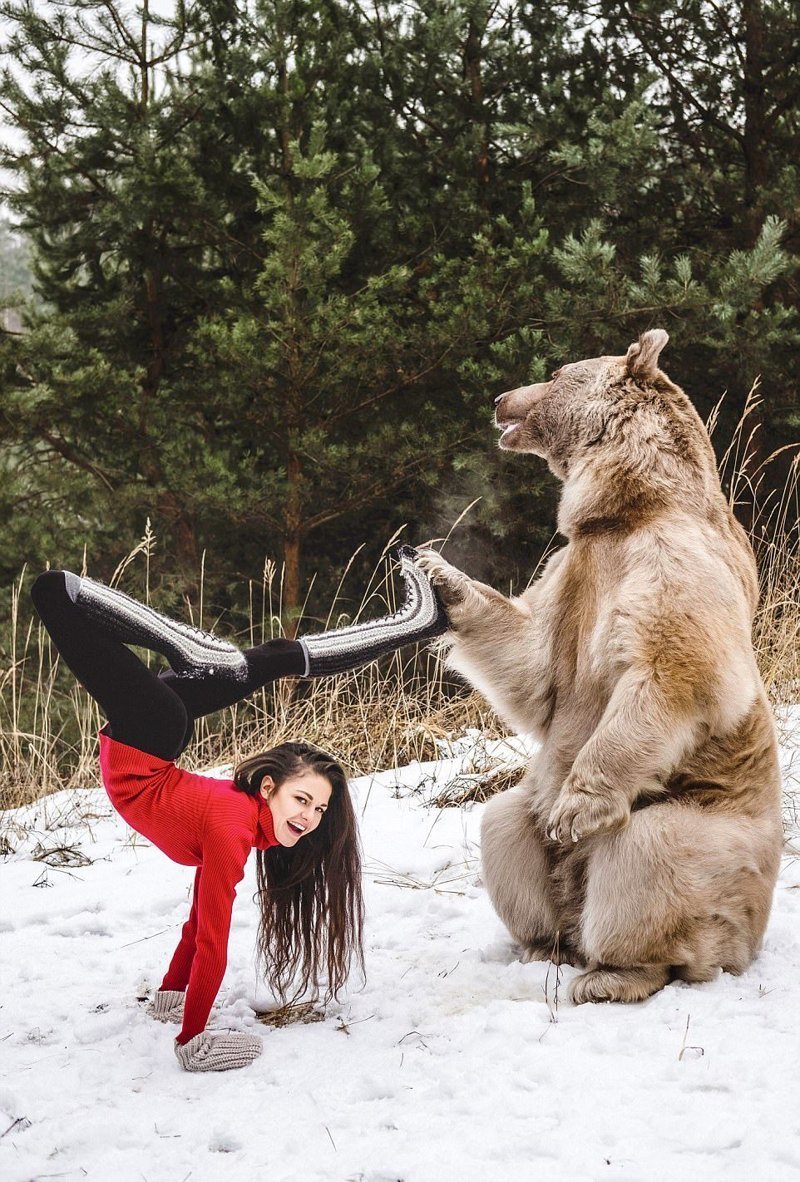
(107, 197)
(290, 251)
(341, 387)
(16, 281)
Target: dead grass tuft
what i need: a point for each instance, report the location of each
(478, 787)
(292, 1014)
(59, 855)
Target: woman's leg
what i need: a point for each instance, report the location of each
(141, 709)
(91, 624)
(214, 691)
(153, 713)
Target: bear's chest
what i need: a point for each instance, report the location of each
(576, 621)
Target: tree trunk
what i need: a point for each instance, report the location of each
(291, 583)
(292, 543)
(756, 167)
(472, 70)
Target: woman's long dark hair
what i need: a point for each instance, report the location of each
(312, 908)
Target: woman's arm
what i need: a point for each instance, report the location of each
(215, 889)
(220, 874)
(177, 976)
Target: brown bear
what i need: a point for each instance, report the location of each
(643, 843)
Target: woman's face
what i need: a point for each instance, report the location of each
(297, 806)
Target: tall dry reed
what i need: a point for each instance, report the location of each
(382, 716)
(772, 508)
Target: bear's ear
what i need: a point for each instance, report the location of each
(642, 357)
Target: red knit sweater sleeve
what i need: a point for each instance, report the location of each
(215, 890)
(177, 975)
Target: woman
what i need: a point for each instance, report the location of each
(291, 803)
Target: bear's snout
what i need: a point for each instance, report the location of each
(515, 405)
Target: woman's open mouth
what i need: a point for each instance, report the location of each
(296, 828)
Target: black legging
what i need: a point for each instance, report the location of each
(155, 713)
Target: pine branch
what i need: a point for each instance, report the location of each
(732, 38)
(660, 61)
(35, 132)
(349, 411)
(67, 452)
(367, 496)
(122, 29)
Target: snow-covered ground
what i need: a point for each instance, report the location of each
(454, 1061)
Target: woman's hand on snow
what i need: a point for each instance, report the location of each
(210, 1051)
(167, 1005)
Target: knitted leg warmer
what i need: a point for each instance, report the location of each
(190, 651)
(421, 617)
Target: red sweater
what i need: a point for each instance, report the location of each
(197, 821)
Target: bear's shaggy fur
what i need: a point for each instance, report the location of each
(644, 840)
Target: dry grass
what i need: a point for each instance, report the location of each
(380, 717)
(47, 724)
(453, 879)
(774, 516)
(777, 626)
(292, 1014)
(371, 719)
(59, 855)
(479, 786)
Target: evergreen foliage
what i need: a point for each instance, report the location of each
(16, 281)
(286, 253)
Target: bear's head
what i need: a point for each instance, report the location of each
(616, 423)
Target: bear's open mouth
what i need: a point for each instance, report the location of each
(507, 427)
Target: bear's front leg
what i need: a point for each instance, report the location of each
(640, 739)
(586, 805)
(495, 645)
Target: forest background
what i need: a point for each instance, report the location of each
(267, 263)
